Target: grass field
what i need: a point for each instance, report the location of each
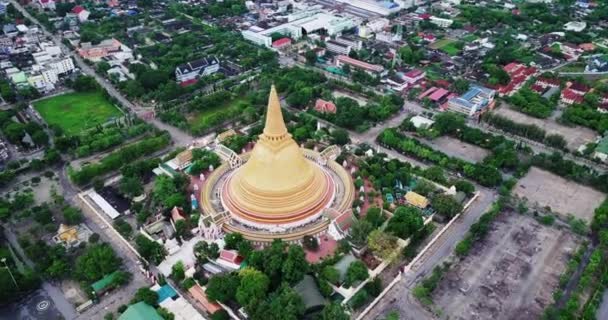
(446, 45)
(211, 116)
(74, 112)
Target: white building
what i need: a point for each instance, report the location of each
(575, 26)
(338, 48)
(441, 22)
(384, 8)
(303, 23)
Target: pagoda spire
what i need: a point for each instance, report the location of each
(275, 125)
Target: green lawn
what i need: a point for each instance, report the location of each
(212, 116)
(469, 38)
(450, 49)
(74, 112)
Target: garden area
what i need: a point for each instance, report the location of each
(77, 111)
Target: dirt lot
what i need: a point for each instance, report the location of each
(360, 100)
(575, 136)
(511, 275)
(457, 148)
(563, 196)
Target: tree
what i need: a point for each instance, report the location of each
(460, 86)
(359, 231)
(446, 205)
(223, 287)
(286, 304)
(149, 249)
(253, 287)
(310, 243)
(232, 240)
(131, 186)
(204, 250)
(146, 295)
(97, 261)
(381, 244)
(340, 137)
(330, 274)
(448, 123)
(178, 271)
(334, 311)
(357, 271)
(405, 222)
(464, 186)
(295, 266)
(311, 57)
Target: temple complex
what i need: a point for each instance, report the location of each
(278, 190)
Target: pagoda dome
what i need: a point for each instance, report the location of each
(277, 185)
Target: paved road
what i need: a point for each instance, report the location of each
(602, 312)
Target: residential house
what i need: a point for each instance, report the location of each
(441, 22)
(414, 76)
(416, 200)
(518, 74)
(199, 295)
(396, 83)
(601, 151)
(570, 97)
(190, 72)
(81, 13)
(46, 4)
(597, 63)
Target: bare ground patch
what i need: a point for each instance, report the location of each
(575, 136)
(510, 275)
(459, 149)
(562, 196)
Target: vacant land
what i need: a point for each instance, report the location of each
(360, 100)
(213, 115)
(446, 45)
(511, 275)
(459, 149)
(561, 195)
(575, 136)
(74, 112)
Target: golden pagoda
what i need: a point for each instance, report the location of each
(278, 185)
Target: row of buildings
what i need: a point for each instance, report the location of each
(28, 59)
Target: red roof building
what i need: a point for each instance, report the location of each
(325, 106)
(579, 88)
(200, 297)
(281, 43)
(77, 9)
(548, 82)
(519, 74)
(230, 258)
(368, 67)
(438, 95)
(414, 76)
(570, 97)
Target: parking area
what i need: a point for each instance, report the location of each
(563, 196)
(510, 275)
(36, 306)
(575, 136)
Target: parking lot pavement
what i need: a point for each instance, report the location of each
(36, 306)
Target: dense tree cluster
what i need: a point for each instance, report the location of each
(532, 103)
(405, 222)
(15, 132)
(120, 158)
(484, 174)
(529, 131)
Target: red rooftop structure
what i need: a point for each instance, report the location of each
(325, 106)
(281, 43)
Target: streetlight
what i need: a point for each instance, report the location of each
(9, 272)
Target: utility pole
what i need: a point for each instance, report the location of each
(9, 272)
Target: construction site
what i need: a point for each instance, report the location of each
(511, 274)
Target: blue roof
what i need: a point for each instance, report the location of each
(165, 292)
(474, 91)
